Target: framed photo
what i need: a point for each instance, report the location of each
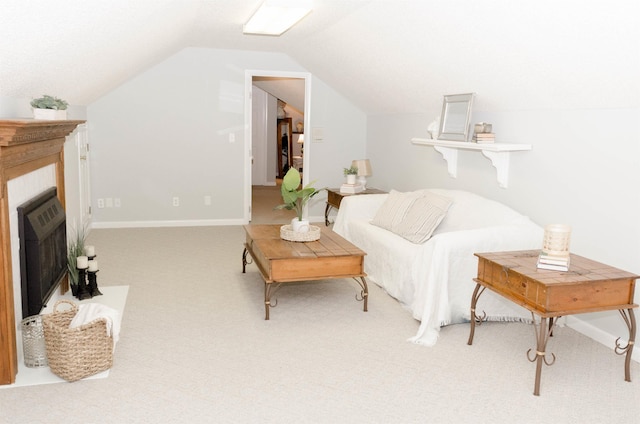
(456, 116)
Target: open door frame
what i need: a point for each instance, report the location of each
(248, 157)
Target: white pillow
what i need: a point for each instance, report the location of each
(422, 218)
(394, 209)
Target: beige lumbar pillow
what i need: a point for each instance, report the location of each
(423, 217)
(413, 216)
(394, 209)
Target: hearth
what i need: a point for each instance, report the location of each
(43, 249)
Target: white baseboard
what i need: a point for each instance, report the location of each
(599, 335)
(151, 224)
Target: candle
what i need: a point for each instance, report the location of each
(89, 250)
(82, 262)
(93, 265)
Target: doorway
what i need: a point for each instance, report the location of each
(288, 87)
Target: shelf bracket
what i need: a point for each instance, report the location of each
(451, 157)
(500, 161)
(497, 153)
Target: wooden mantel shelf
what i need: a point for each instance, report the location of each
(25, 146)
(21, 131)
(497, 153)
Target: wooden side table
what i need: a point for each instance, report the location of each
(588, 286)
(334, 197)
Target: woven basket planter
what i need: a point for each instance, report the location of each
(287, 233)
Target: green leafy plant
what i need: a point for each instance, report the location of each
(75, 248)
(49, 102)
(293, 197)
(352, 170)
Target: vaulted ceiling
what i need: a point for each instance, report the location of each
(386, 56)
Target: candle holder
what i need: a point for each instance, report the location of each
(83, 289)
(93, 283)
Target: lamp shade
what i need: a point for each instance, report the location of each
(364, 167)
(301, 139)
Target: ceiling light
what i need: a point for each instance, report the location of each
(274, 17)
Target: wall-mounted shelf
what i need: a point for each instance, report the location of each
(498, 153)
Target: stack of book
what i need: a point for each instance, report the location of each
(553, 262)
(484, 138)
(351, 188)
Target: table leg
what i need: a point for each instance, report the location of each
(244, 260)
(326, 214)
(477, 292)
(267, 300)
(629, 319)
(543, 332)
(364, 293)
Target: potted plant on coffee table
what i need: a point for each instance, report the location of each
(296, 198)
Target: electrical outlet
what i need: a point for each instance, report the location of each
(207, 200)
(116, 202)
(109, 202)
(176, 201)
(100, 203)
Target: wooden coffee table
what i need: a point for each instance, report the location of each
(280, 261)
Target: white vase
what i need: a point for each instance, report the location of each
(49, 114)
(351, 179)
(300, 226)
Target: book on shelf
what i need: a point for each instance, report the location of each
(351, 188)
(484, 137)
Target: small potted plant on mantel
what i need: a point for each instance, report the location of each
(49, 108)
(296, 199)
(351, 173)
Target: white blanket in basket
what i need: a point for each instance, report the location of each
(88, 312)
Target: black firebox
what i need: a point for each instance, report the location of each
(43, 249)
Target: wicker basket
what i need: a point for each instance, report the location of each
(76, 353)
(287, 233)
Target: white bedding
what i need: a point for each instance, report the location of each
(434, 280)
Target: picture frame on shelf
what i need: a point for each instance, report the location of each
(456, 116)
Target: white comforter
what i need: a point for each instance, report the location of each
(434, 280)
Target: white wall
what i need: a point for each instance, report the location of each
(166, 133)
(583, 171)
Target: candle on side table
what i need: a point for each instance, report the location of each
(90, 250)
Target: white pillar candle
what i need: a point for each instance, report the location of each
(93, 265)
(82, 262)
(89, 250)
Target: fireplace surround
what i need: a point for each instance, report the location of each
(26, 145)
(43, 250)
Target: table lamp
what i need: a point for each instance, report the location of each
(364, 171)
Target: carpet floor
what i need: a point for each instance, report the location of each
(194, 347)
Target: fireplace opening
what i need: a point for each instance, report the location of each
(43, 249)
